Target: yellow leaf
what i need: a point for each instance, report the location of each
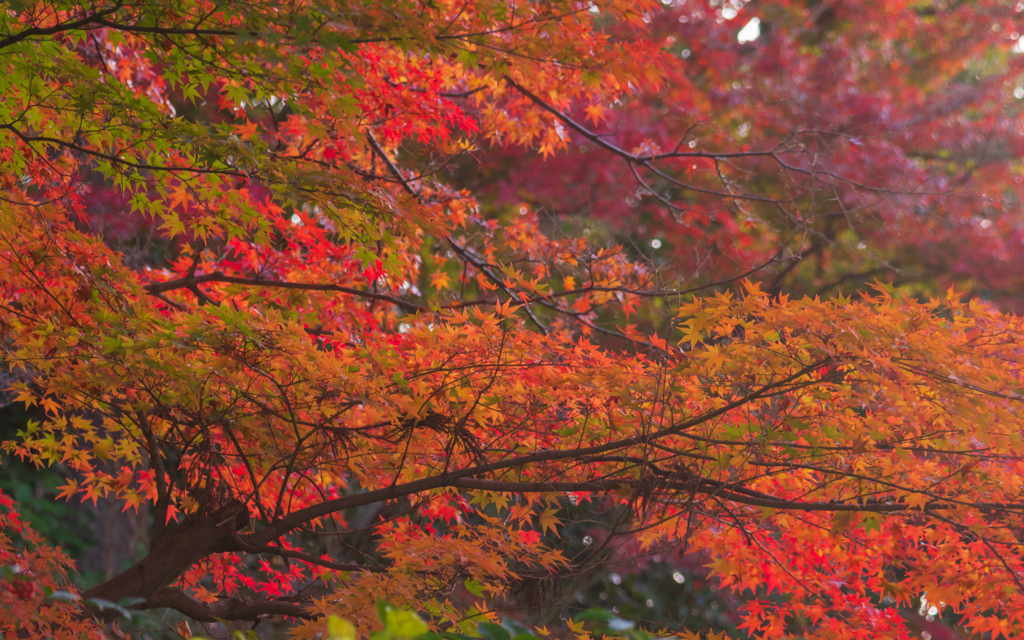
(549, 521)
(340, 629)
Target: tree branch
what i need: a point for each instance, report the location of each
(392, 167)
(57, 28)
(227, 609)
(116, 160)
(305, 557)
(192, 281)
(450, 479)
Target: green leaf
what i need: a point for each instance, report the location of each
(612, 623)
(518, 631)
(467, 58)
(444, 635)
(64, 596)
(594, 615)
(106, 605)
(491, 631)
(340, 629)
(872, 522)
(474, 587)
(399, 623)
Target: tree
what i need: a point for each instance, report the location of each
(833, 142)
(323, 339)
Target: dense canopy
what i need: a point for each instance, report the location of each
(451, 303)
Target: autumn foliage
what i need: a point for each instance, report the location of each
(283, 273)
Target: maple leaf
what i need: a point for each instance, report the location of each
(66, 491)
(596, 112)
(548, 520)
(6, 501)
(439, 280)
(247, 130)
(221, 283)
